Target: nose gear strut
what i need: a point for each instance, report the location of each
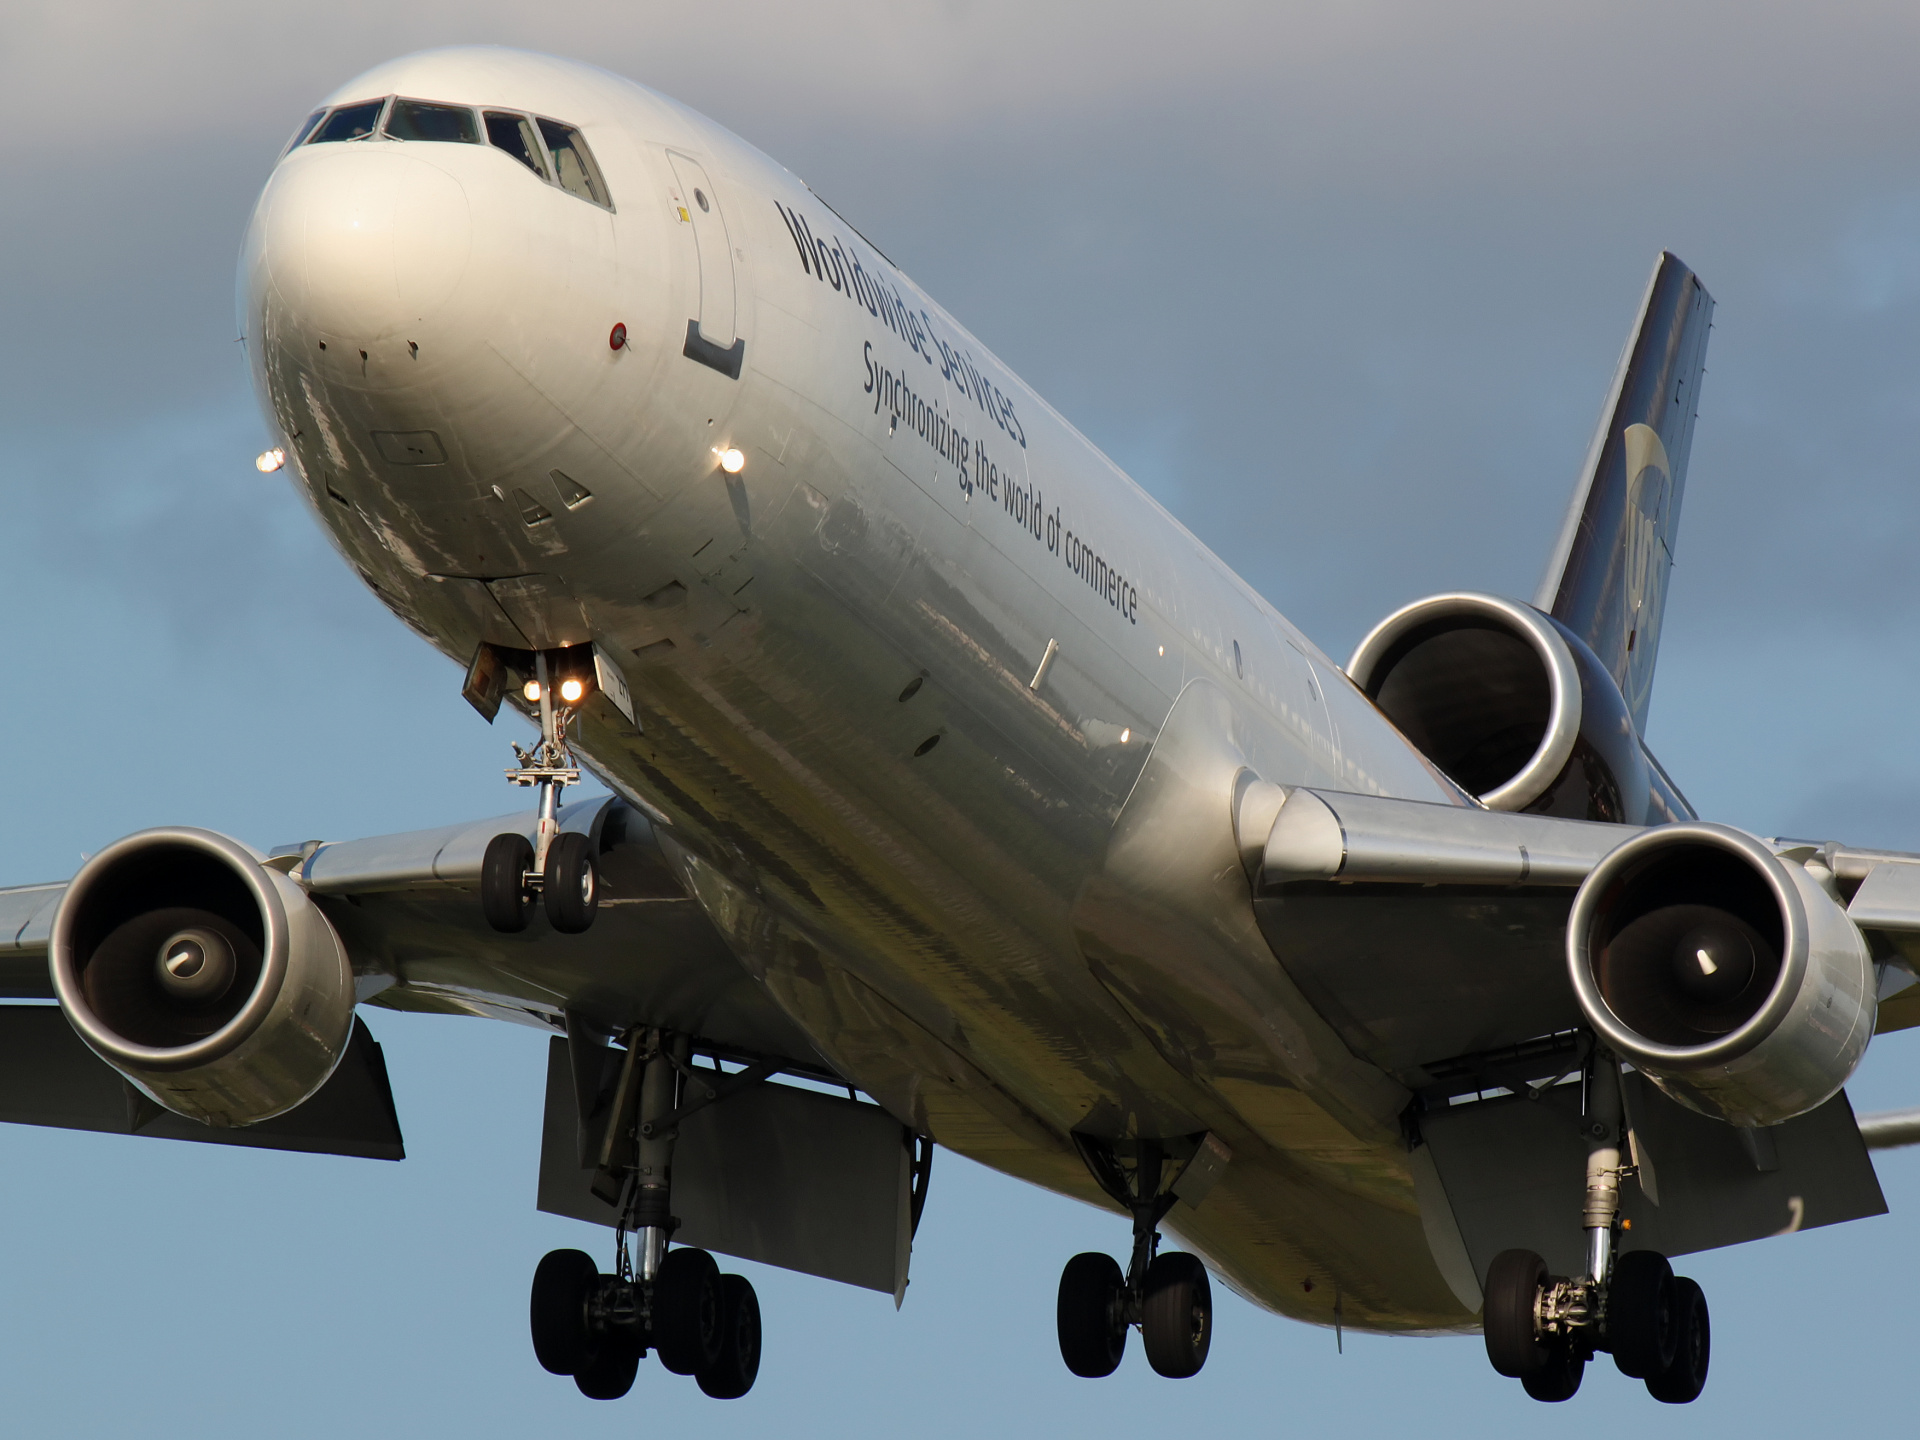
(557, 868)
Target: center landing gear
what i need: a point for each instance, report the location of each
(1168, 1296)
(554, 868)
(675, 1303)
(1541, 1329)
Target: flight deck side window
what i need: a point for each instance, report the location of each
(514, 134)
(573, 163)
(306, 128)
(348, 122)
(424, 120)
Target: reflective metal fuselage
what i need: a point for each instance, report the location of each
(897, 679)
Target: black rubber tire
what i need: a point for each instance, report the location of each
(570, 884)
(1090, 1315)
(1514, 1346)
(733, 1374)
(504, 897)
(1176, 1316)
(1558, 1379)
(564, 1284)
(610, 1375)
(1683, 1380)
(1640, 1328)
(686, 1312)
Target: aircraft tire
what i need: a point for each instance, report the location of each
(1683, 1380)
(1507, 1324)
(1640, 1314)
(1558, 1379)
(570, 885)
(686, 1311)
(564, 1283)
(503, 894)
(1176, 1320)
(733, 1374)
(610, 1373)
(1093, 1332)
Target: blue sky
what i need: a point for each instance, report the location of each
(1342, 285)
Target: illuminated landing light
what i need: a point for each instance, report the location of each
(1163, 650)
(1126, 737)
(732, 461)
(532, 692)
(571, 691)
(269, 461)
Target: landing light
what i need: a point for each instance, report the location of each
(571, 691)
(270, 460)
(532, 691)
(732, 461)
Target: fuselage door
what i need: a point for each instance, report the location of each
(700, 207)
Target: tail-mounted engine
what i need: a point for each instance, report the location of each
(1724, 974)
(1511, 705)
(208, 980)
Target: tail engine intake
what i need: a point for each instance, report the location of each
(1511, 705)
(208, 980)
(1724, 974)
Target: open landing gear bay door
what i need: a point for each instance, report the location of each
(789, 1177)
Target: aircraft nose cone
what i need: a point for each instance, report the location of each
(360, 240)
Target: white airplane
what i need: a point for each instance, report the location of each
(948, 770)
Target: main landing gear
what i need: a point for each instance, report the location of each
(554, 868)
(1542, 1329)
(598, 1328)
(1167, 1296)
(675, 1303)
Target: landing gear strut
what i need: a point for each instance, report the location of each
(1542, 1329)
(1168, 1296)
(676, 1303)
(554, 867)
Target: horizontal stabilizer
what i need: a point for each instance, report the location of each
(1607, 578)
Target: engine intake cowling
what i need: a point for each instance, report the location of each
(1510, 704)
(208, 980)
(1723, 973)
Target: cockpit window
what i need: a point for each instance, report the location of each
(306, 128)
(424, 120)
(348, 122)
(573, 163)
(514, 134)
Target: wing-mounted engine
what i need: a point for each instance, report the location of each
(1514, 707)
(1726, 976)
(207, 979)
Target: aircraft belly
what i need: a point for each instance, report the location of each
(911, 912)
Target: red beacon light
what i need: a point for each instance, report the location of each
(617, 338)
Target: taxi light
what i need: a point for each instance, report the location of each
(532, 691)
(269, 461)
(732, 461)
(571, 691)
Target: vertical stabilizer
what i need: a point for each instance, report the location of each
(1607, 580)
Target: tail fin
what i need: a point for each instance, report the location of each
(1607, 580)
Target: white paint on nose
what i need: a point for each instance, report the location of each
(363, 240)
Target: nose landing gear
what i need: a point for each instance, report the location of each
(554, 868)
(1168, 1296)
(1542, 1329)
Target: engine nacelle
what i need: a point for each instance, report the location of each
(208, 980)
(1510, 704)
(1724, 974)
